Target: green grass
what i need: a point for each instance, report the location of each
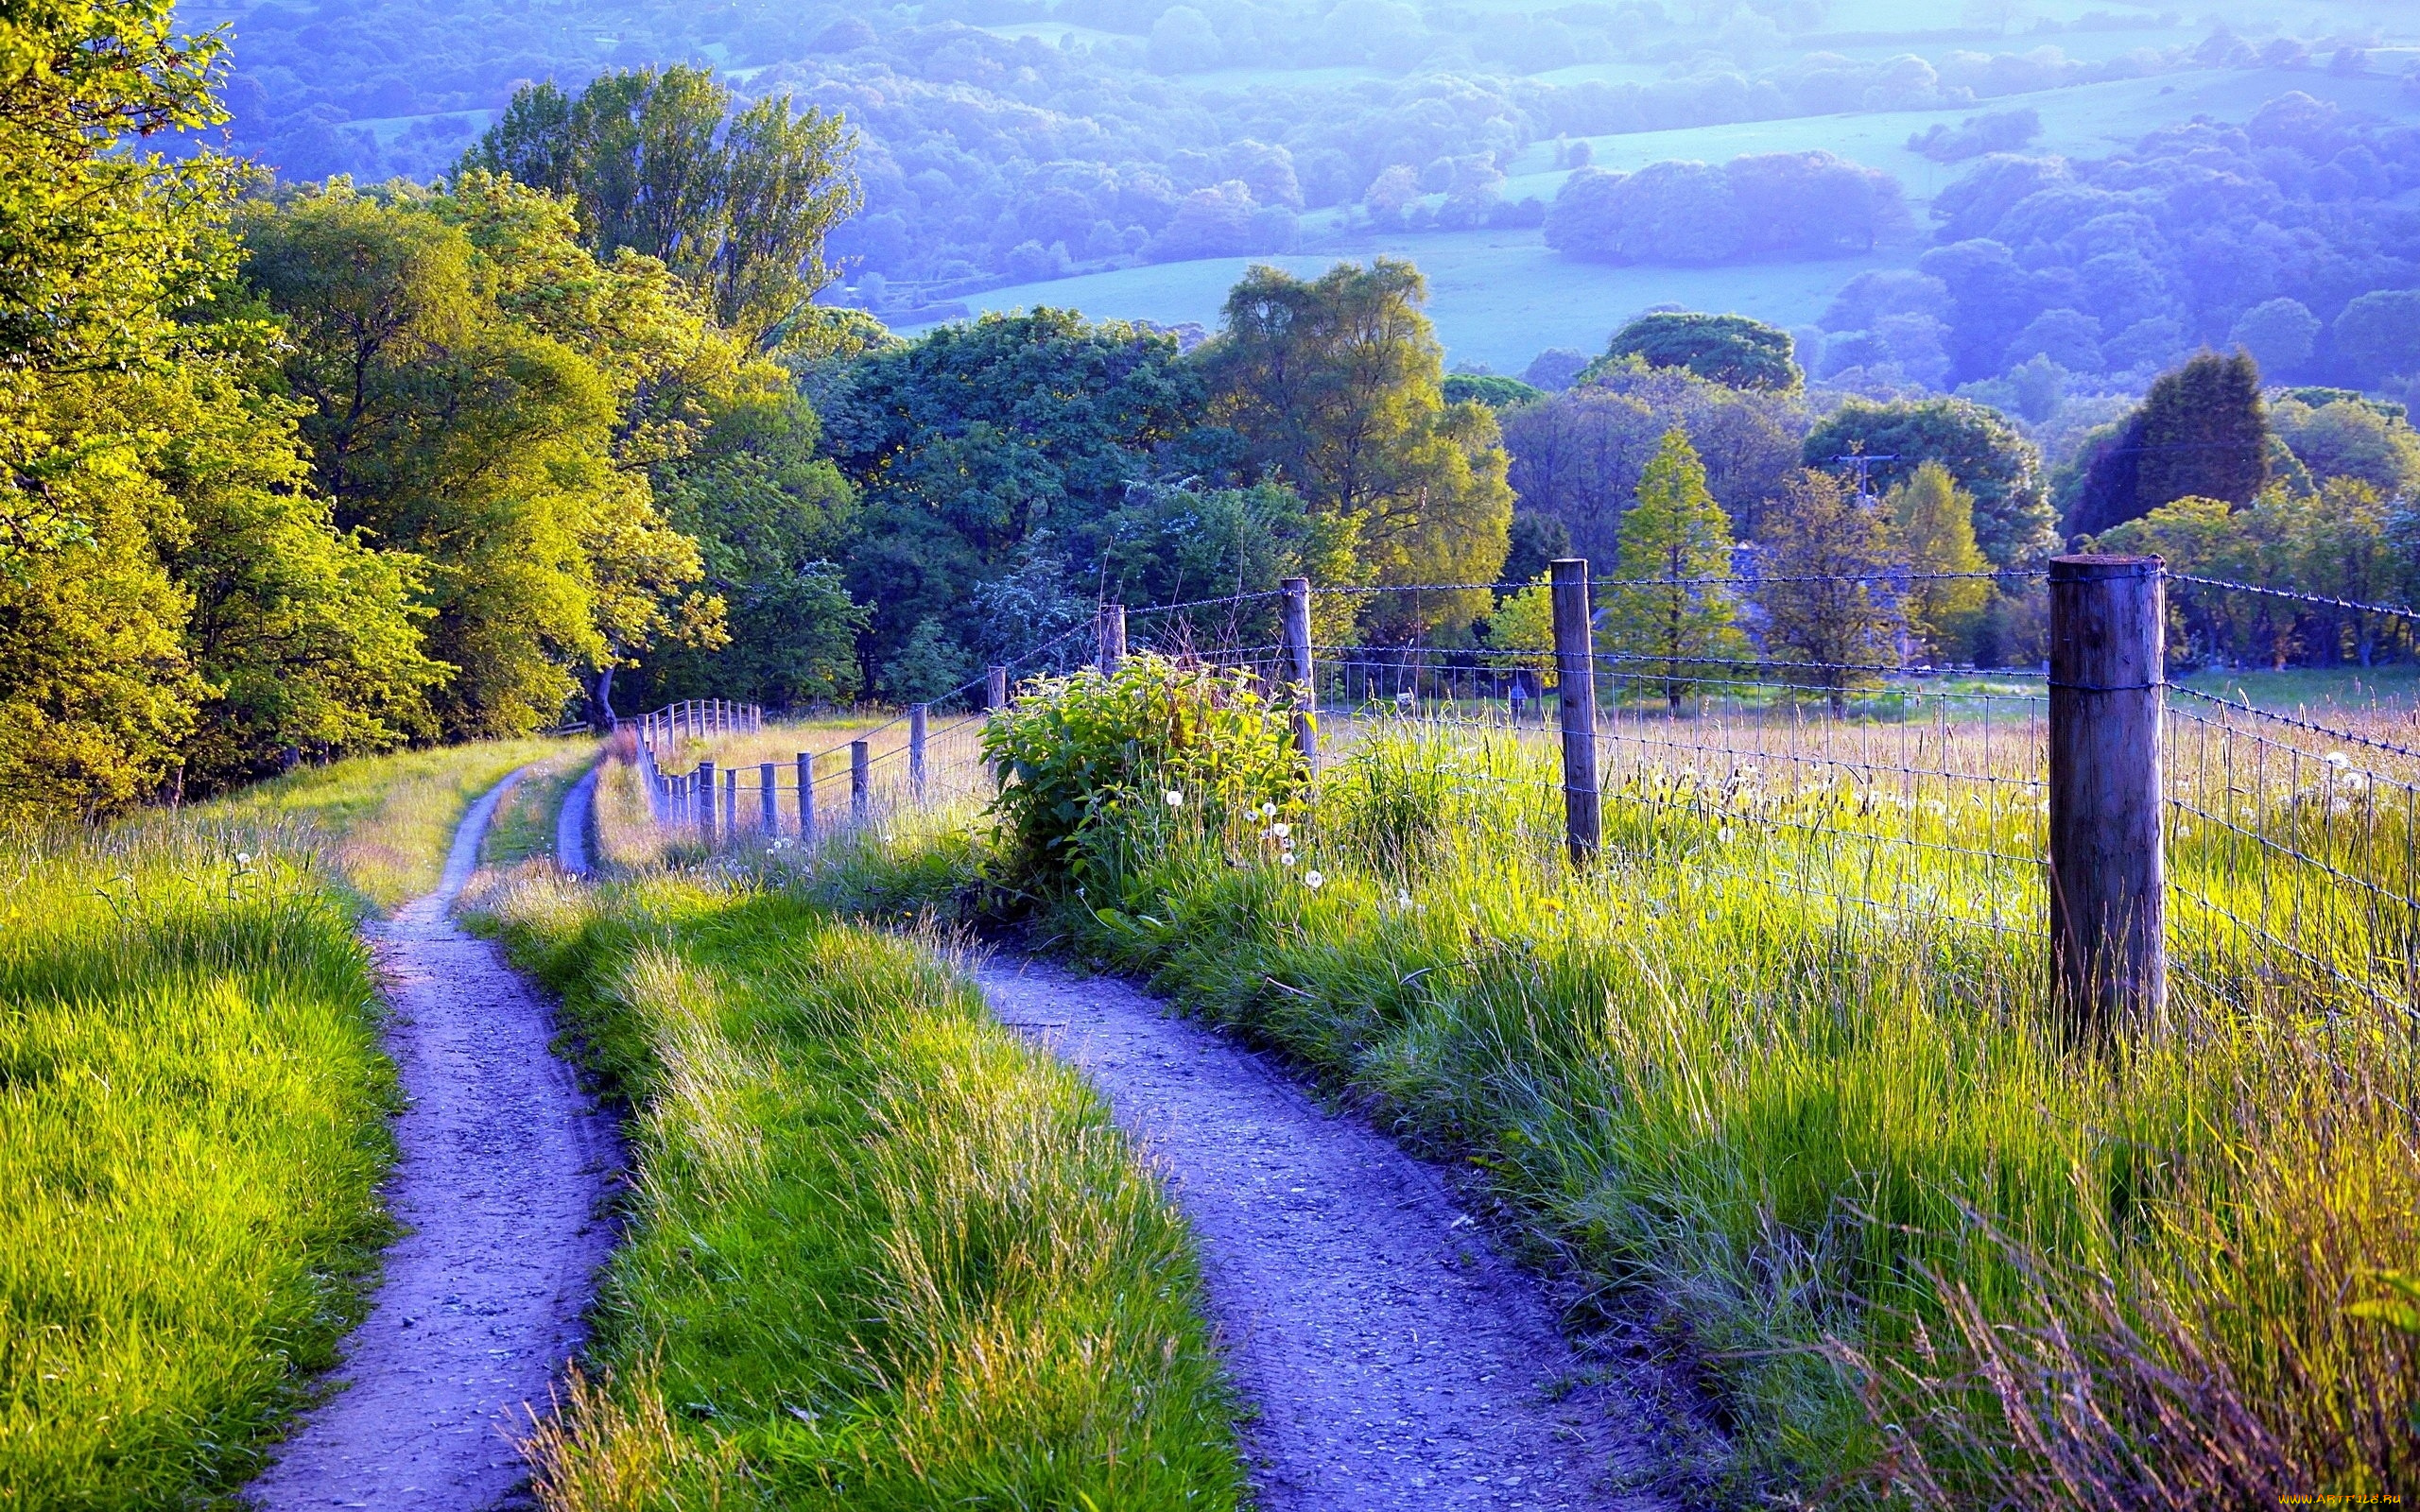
(1918, 1246)
(193, 1122)
(524, 826)
(880, 1253)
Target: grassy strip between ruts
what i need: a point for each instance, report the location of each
(193, 1120)
(881, 1253)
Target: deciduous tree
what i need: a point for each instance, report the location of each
(1671, 616)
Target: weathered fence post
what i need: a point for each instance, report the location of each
(705, 805)
(765, 807)
(995, 688)
(2108, 873)
(916, 751)
(1575, 659)
(1302, 690)
(1110, 625)
(860, 782)
(730, 803)
(806, 798)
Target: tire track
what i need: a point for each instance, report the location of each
(501, 1184)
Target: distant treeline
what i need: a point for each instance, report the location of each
(987, 155)
(2292, 235)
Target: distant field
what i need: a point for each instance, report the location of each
(1500, 296)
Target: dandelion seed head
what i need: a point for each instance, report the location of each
(1286, 860)
(1313, 879)
(2338, 760)
(1176, 800)
(1281, 831)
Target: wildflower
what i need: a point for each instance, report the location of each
(243, 858)
(1269, 810)
(1176, 800)
(2338, 760)
(1723, 834)
(1402, 899)
(1281, 831)
(1286, 860)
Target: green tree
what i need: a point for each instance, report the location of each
(2202, 432)
(2345, 436)
(1932, 525)
(1335, 385)
(1731, 350)
(1986, 455)
(468, 370)
(1520, 632)
(1667, 614)
(1825, 587)
(738, 206)
(968, 441)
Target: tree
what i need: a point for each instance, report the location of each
(2279, 333)
(1825, 587)
(2202, 432)
(2340, 435)
(738, 206)
(968, 441)
(171, 601)
(1932, 524)
(2377, 336)
(1336, 385)
(1730, 350)
(1983, 452)
(1670, 612)
(467, 369)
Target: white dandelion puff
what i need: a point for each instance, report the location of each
(1286, 860)
(1176, 800)
(1313, 879)
(1281, 831)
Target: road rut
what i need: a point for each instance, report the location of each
(502, 1183)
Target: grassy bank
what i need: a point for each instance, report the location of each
(192, 1121)
(1917, 1246)
(881, 1254)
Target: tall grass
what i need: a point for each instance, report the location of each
(192, 1121)
(881, 1254)
(1921, 1248)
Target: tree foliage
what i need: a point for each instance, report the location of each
(738, 205)
(1730, 350)
(1335, 385)
(1983, 452)
(1932, 525)
(1671, 616)
(1827, 589)
(2202, 432)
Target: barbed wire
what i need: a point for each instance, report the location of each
(2391, 610)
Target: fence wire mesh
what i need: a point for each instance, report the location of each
(1876, 789)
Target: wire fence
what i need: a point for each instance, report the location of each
(1880, 788)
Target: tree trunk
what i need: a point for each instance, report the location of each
(602, 697)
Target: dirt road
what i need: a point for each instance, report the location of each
(502, 1184)
(1394, 1359)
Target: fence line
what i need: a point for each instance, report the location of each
(2283, 849)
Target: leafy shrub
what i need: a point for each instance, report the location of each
(1079, 753)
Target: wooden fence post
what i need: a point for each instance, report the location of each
(765, 807)
(730, 803)
(860, 782)
(1303, 691)
(2108, 872)
(806, 798)
(916, 751)
(995, 688)
(705, 805)
(1110, 625)
(1575, 657)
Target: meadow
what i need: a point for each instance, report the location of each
(879, 1252)
(193, 1109)
(1779, 1080)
